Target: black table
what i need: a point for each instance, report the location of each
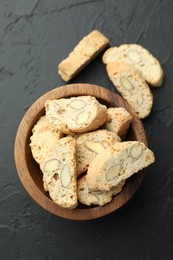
(34, 37)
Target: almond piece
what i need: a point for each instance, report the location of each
(126, 83)
(136, 151)
(112, 172)
(140, 99)
(96, 147)
(82, 117)
(77, 104)
(94, 197)
(56, 106)
(134, 56)
(51, 165)
(65, 176)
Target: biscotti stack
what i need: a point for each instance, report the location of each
(131, 68)
(79, 147)
(108, 171)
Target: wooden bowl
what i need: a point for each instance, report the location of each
(29, 171)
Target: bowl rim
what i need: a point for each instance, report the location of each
(29, 118)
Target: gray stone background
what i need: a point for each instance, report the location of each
(35, 35)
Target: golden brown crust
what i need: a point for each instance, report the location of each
(85, 51)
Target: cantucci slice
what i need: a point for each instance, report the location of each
(56, 113)
(89, 145)
(44, 137)
(140, 58)
(76, 114)
(117, 163)
(86, 50)
(96, 197)
(118, 121)
(132, 86)
(85, 114)
(59, 173)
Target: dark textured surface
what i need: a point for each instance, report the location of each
(34, 37)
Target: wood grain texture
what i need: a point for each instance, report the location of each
(30, 174)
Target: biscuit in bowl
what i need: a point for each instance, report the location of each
(29, 171)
